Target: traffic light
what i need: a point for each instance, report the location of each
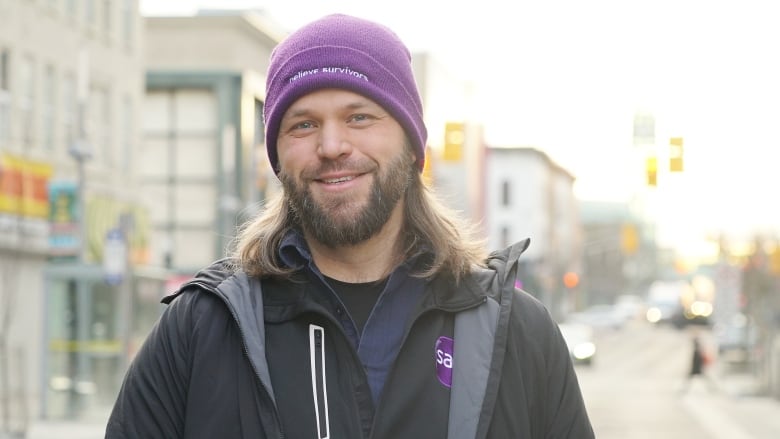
(651, 168)
(676, 154)
(454, 138)
(629, 239)
(774, 260)
(571, 279)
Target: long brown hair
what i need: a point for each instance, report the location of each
(429, 226)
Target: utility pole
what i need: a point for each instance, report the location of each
(80, 149)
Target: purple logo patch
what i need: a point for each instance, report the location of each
(444, 352)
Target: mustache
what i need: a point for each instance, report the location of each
(360, 166)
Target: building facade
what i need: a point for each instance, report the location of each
(619, 257)
(527, 195)
(205, 169)
(455, 160)
(71, 84)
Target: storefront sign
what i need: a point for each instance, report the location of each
(24, 203)
(63, 219)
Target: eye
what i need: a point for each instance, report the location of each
(360, 117)
(302, 125)
(297, 126)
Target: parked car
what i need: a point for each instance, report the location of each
(679, 303)
(664, 301)
(660, 311)
(580, 341)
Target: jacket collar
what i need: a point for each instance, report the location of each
(297, 294)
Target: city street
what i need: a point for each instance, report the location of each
(634, 391)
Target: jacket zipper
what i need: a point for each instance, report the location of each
(319, 385)
(246, 351)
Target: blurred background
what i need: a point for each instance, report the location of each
(634, 142)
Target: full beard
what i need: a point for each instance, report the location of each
(340, 221)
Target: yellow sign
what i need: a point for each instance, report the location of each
(651, 167)
(93, 346)
(629, 239)
(24, 187)
(774, 260)
(105, 213)
(676, 154)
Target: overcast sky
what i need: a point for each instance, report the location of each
(567, 76)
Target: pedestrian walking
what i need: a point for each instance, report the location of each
(701, 359)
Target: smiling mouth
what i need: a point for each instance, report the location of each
(337, 180)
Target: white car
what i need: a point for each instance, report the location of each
(579, 339)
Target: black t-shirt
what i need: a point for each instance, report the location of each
(358, 298)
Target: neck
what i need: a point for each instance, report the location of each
(367, 261)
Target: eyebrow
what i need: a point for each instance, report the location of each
(356, 105)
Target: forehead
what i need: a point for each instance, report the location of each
(330, 98)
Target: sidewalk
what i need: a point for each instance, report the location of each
(741, 411)
(735, 383)
(66, 430)
(739, 387)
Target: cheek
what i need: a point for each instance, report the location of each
(289, 154)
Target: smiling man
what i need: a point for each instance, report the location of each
(345, 167)
(355, 305)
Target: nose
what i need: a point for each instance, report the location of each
(334, 141)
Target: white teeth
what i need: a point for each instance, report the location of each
(338, 180)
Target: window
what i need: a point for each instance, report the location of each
(4, 81)
(5, 99)
(69, 110)
(127, 134)
(48, 109)
(89, 12)
(70, 8)
(100, 125)
(256, 171)
(106, 12)
(259, 138)
(128, 22)
(107, 136)
(26, 101)
(506, 195)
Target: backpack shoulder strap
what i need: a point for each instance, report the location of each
(471, 368)
(476, 368)
(478, 362)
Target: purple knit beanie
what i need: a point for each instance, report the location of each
(340, 51)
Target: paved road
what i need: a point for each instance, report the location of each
(635, 391)
(632, 392)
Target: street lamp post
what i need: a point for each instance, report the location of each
(80, 149)
(81, 152)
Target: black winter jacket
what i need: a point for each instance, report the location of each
(238, 357)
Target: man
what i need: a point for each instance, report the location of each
(354, 306)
